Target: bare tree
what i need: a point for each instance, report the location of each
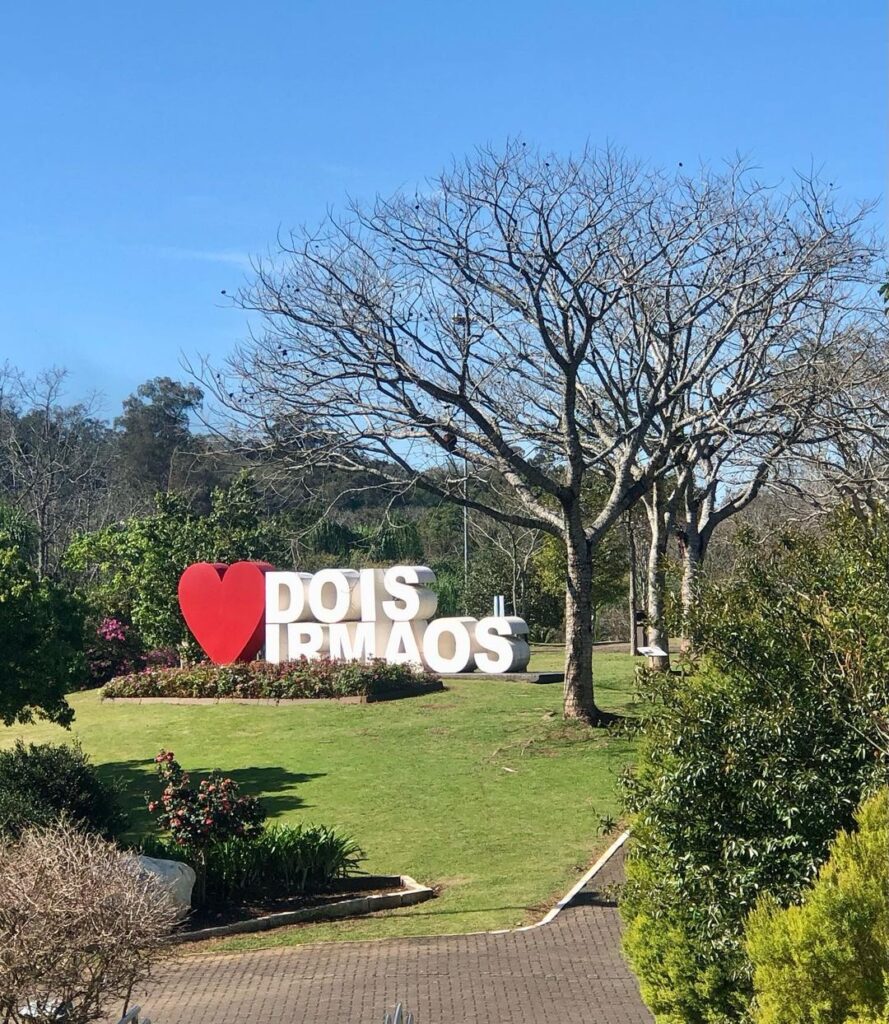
(80, 926)
(54, 461)
(538, 319)
(849, 462)
(517, 546)
(823, 401)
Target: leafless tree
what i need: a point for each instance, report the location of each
(54, 461)
(517, 545)
(849, 462)
(821, 403)
(539, 319)
(80, 926)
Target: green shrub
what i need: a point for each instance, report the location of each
(40, 783)
(213, 811)
(282, 861)
(826, 961)
(41, 642)
(751, 766)
(261, 679)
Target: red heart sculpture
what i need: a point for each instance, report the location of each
(224, 607)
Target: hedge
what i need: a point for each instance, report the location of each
(263, 680)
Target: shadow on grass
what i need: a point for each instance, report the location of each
(136, 782)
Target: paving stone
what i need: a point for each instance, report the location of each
(570, 970)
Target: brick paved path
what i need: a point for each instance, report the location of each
(567, 971)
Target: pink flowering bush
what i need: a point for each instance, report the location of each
(112, 650)
(199, 817)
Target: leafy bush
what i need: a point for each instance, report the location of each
(751, 766)
(220, 834)
(280, 862)
(160, 657)
(826, 961)
(260, 679)
(40, 783)
(41, 639)
(134, 567)
(197, 818)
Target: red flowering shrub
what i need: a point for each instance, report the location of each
(198, 818)
(211, 813)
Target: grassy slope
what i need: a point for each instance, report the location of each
(421, 783)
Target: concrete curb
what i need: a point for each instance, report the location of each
(510, 677)
(408, 893)
(582, 882)
(548, 918)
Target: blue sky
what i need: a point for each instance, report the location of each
(149, 149)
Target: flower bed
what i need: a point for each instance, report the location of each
(261, 680)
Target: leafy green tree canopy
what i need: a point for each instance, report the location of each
(133, 568)
(154, 429)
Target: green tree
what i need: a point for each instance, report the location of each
(133, 568)
(41, 636)
(751, 766)
(826, 960)
(608, 577)
(154, 436)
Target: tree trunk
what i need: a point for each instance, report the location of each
(42, 543)
(657, 585)
(632, 599)
(578, 695)
(692, 562)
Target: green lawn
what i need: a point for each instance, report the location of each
(481, 790)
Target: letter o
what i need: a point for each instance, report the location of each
(343, 583)
(447, 645)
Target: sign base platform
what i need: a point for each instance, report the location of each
(521, 677)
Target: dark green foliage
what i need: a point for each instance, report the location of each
(20, 810)
(112, 648)
(42, 782)
(41, 638)
(826, 961)
(395, 539)
(390, 538)
(751, 766)
(449, 585)
(261, 679)
(18, 531)
(281, 862)
(441, 532)
(155, 445)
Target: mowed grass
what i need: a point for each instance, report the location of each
(482, 791)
